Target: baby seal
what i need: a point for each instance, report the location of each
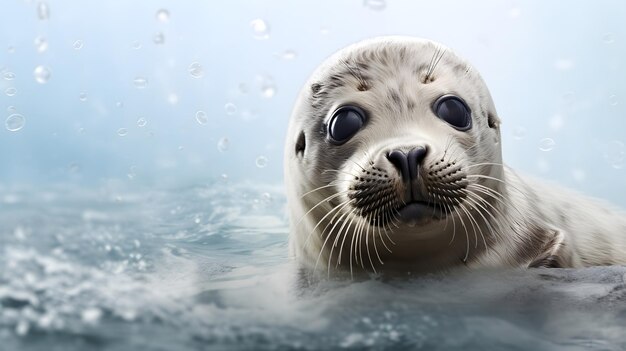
(393, 158)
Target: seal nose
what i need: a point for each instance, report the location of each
(407, 163)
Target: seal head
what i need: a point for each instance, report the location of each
(392, 155)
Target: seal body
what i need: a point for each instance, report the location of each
(393, 159)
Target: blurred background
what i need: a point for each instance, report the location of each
(166, 93)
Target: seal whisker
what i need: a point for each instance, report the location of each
(473, 204)
(472, 221)
(345, 235)
(345, 203)
(367, 247)
(321, 220)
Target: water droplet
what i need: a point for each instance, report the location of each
(78, 44)
(613, 100)
(268, 88)
(261, 161)
(82, 96)
(519, 133)
(223, 144)
(22, 328)
(608, 38)
(266, 196)
(260, 28)
(230, 108)
(9, 75)
(140, 82)
(376, 5)
(15, 122)
(201, 117)
(546, 144)
(42, 74)
(289, 55)
(614, 154)
(41, 44)
(195, 70)
(163, 15)
(136, 45)
(159, 38)
(91, 315)
(141, 122)
(10, 91)
(224, 176)
(122, 132)
(43, 11)
(172, 99)
(268, 91)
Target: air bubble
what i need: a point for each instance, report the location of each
(223, 144)
(78, 44)
(375, 5)
(11, 109)
(41, 44)
(9, 75)
(141, 122)
(82, 96)
(230, 108)
(201, 117)
(163, 15)
(613, 100)
(15, 122)
(42, 74)
(159, 38)
(261, 161)
(43, 11)
(260, 28)
(122, 132)
(268, 88)
(546, 144)
(136, 45)
(10, 91)
(195, 70)
(140, 82)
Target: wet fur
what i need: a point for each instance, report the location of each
(342, 198)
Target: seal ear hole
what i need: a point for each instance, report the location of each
(300, 144)
(492, 121)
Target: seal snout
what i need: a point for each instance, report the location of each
(408, 165)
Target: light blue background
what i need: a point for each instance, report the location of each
(555, 69)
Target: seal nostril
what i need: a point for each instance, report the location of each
(400, 161)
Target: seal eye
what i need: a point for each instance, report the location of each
(453, 110)
(345, 123)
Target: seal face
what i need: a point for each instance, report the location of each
(393, 157)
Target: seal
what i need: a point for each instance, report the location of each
(393, 159)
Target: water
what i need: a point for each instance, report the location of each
(112, 268)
